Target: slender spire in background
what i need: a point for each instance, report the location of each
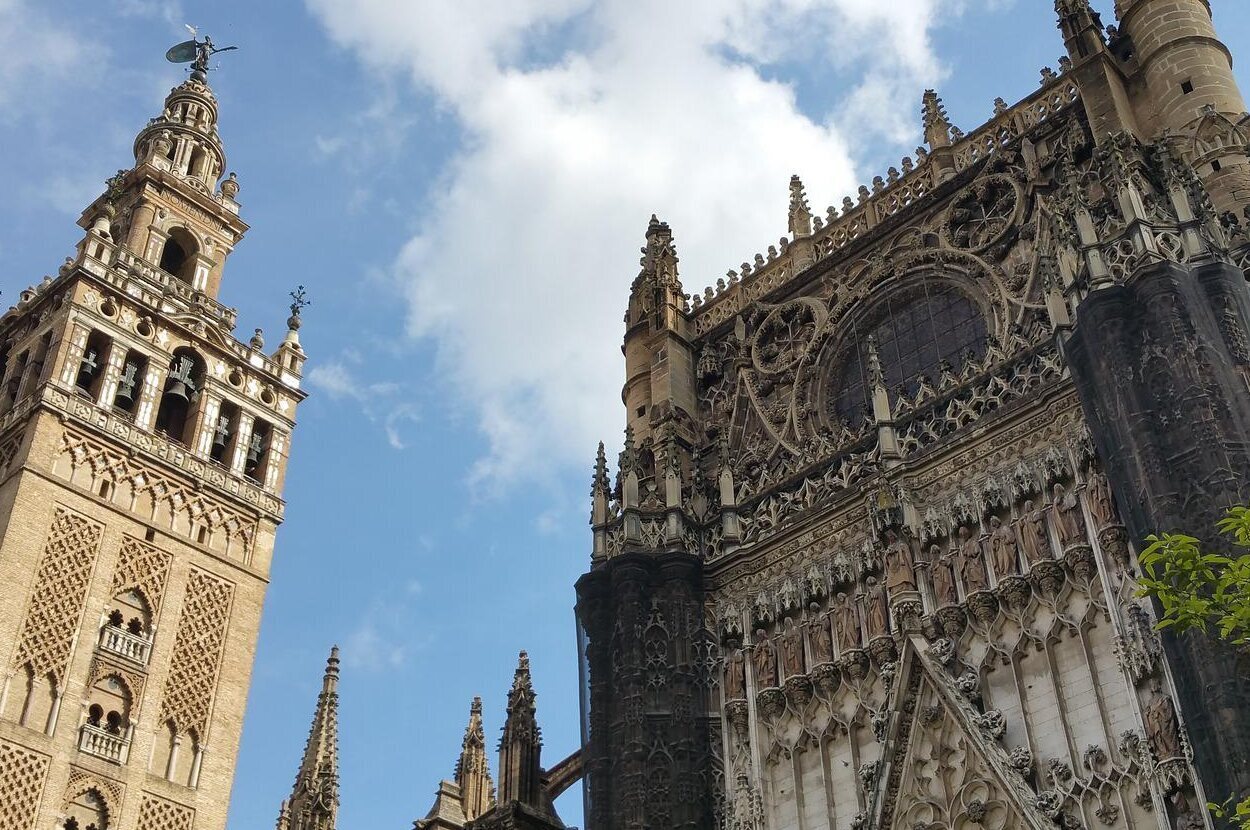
(477, 790)
(314, 801)
(520, 765)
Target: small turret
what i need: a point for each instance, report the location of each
(659, 363)
(937, 134)
(1183, 85)
(1081, 28)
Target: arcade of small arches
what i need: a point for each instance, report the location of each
(233, 438)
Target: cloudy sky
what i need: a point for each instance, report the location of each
(463, 186)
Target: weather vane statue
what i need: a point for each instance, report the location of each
(196, 52)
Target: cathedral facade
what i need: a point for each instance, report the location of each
(868, 557)
(142, 454)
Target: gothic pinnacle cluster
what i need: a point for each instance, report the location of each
(525, 798)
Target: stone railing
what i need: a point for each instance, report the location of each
(125, 266)
(119, 641)
(887, 197)
(101, 743)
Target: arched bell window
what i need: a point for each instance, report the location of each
(257, 460)
(178, 255)
(916, 333)
(175, 417)
(130, 384)
(91, 365)
(224, 433)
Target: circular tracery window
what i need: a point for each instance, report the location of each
(915, 333)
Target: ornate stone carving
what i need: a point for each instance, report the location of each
(1033, 536)
(1068, 519)
(764, 656)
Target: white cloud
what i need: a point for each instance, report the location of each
(380, 402)
(579, 120)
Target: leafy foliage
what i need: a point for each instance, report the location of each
(1204, 591)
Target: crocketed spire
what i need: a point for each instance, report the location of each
(314, 801)
(477, 790)
(520, 764)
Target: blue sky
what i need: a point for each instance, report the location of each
(463, 187)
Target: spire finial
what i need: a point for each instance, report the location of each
(937, 126)
(299, 302)
(520, 747)
(477, 790)
(800, 213)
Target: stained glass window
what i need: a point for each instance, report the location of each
(915, 332)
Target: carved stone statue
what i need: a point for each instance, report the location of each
(943, 566)
(972, 562)
(1068, 517)
(1003, 549)
(1033, 536)
(846, 622)
(819, 637)
(764, 655)
(878, 609)
(736, 676)
(1100, 503)
(1161, 724)
(900, 570)
(792, 649)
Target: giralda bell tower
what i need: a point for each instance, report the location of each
(142, 455)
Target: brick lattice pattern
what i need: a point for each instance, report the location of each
(56, 604)
(22, 774)
(197, 653)
(144, 568)
(159, 814)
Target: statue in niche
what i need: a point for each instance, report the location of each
(972, 563)
(736, 676)
(1100, 503)
(819, 637)
(846, 621)
(1161, 724)
(878, 609)
(900, 572)
(792, 648)
(944, 566)
(1068, 517)
(764, 654)
(1033, 536)
(1003, 549)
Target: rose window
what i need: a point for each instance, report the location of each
(915, 334)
